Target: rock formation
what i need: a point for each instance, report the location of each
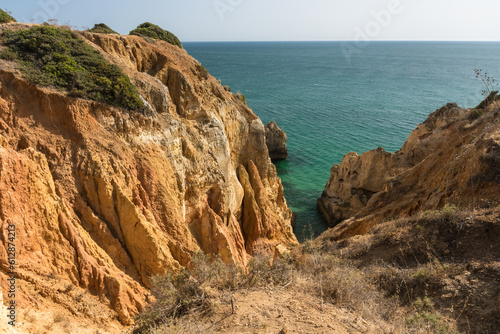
(104, 198)
(276, 142)
(452, 158)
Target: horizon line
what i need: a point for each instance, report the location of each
(348, 41)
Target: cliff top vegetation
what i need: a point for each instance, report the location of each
(57, 57)
(5, 17)
(102, 28)
(153, 31)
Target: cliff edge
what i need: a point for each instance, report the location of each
(452, 158)
(103, 198)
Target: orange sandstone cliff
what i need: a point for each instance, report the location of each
(103, 198)
(453, 158)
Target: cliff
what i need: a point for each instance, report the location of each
(103, 198)
(452, 158)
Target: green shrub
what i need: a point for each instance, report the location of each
(153, 31)
(5, 17)
(8, 54)
(423, 304)
(101, 28)
(57, 57)
(448, 212)
(430, 322)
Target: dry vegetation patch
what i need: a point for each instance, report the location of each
(442, 266)
(438, 272)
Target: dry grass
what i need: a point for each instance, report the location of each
(180, 326)
(209, 283)
(405, 276)
(446, 260)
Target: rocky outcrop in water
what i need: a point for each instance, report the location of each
(452, 158)
(276, 142)
(103, 198)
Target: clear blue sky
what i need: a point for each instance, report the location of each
(276, 20)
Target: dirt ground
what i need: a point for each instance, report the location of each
(275, 311)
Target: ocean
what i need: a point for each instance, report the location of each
(330, 104)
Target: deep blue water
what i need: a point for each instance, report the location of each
(330, 105)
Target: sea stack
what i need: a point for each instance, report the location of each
(276, 142)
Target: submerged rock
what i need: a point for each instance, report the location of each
(276, 142)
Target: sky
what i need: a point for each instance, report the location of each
(278, 20)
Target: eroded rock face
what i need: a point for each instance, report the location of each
(353, 183)
(450, 159)
(276, 142)
(103, 198)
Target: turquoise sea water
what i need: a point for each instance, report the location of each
(330, 105)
